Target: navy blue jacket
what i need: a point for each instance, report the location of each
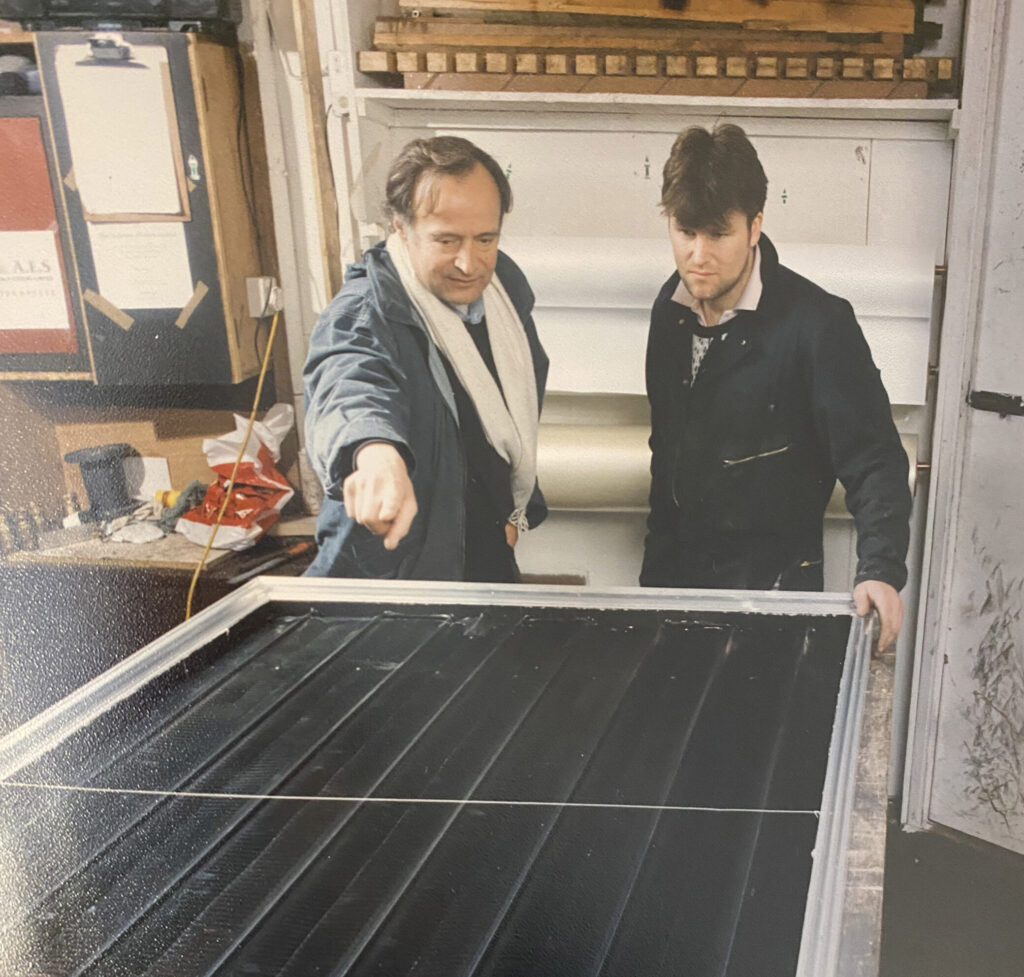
(373, 373)
(744, 459)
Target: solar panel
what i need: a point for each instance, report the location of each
(437, 788)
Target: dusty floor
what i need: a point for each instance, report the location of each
(951, 909)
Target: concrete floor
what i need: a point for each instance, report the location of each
(952, 908)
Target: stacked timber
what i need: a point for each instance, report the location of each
(753, 48)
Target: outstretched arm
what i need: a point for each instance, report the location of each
(378, 494)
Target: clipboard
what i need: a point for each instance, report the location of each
(128, 167)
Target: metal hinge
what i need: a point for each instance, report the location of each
(1001, 404)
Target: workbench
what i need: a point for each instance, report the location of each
(71, 612)
(347, 777)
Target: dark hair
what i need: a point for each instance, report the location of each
(710, 174)
(446, 155)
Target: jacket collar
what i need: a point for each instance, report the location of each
(389, 296)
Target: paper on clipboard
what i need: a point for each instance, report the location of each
(31, 281)
(142, 266)
(119, 126)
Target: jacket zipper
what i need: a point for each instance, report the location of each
(729, 462)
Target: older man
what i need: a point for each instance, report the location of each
(762, 392)
(423, 384)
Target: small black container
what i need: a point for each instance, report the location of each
(103, 473)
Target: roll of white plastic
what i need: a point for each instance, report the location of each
(594, 295)
(594, 466)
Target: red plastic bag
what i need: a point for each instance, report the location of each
(260, 490)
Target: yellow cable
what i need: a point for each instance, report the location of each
(234, 470)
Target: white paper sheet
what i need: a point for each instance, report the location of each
(120, 131)
(144, 477)
(142, 266)
(31, 284)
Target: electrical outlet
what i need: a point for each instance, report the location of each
(264, 296)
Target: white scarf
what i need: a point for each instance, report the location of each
(509, 422)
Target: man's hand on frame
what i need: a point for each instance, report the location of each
(887, 601)
(379, 494)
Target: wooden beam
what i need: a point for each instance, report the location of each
(467, 61)
(851, 16)
(616, 64)
(375, 62)
(527, 64)
(406, 61)
(677, 65)
(498, 62)
(323, 177)
(556, 64)
(439, 62)
(425, 33)
(840, 77)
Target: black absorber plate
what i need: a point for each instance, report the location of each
(441, 791)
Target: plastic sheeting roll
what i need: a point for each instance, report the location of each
(594, 467)
(594, 297)
(626, 273)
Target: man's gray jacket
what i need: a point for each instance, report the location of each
(374, 374)
(745, 457)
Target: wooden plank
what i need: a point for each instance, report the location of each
(821, 78)
(855, 89)
(677, 65)
(450, 81)
(406, 61)
(527, 64)
(852, 16)
(915, 68)
(498, 62)
(616, 64)
(647, 64)
(425, 33)
(883, 69)
(630, 84)
(240, 212)
(853, 68)
(376, 62)
(797, 68)
(778, 88)
(439, 62)
(736, 67)
(467, 61)
(547, 83)
(910, 89)
(707, 66)
(556, 64)
(709, 87)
